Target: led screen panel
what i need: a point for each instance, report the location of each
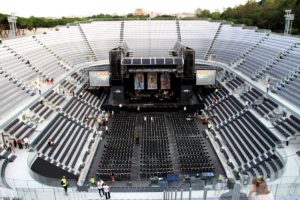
(99, 78)
(206, 77)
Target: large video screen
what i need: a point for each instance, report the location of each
(165, 81)
(99, 78)
(152, 81)
(206, 77)
(139, 81)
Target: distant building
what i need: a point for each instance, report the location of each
(139, 12)
(184, 14)
(154, 14)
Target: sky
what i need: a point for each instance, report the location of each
(59, 8)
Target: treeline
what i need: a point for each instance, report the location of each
(32, 22)
(265, 14)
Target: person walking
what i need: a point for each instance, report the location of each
(64, 183)
(92, 181)
(106, 190)
(100, 187)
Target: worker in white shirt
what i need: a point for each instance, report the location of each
(106, 190)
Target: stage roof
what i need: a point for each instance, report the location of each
(152, 61)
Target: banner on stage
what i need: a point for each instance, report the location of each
(139, 81)
(152, 81)
(165, 81)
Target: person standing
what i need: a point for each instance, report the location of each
(100, 187)
(64, 183)
(20, 144)
(26, 142)
(260, 190)
(268, 87)
(15, 143)
(106, 190)
(113, 178)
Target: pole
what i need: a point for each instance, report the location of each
(236, 191)
(205, 193)
(190, 193)
(181, 194)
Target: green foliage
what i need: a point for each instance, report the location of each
(265, 14)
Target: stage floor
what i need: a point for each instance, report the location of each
(191, 106)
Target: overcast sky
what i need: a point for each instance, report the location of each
(58, 8)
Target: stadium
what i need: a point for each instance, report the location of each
(166, 107)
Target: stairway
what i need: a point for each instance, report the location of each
(178, 30)
(213, 42)
(96, 160)
(136, 160)
(122, 32)
(172, 145)
(87, 42)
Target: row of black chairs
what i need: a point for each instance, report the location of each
(117, 155)
(155, 154)
(193, 154)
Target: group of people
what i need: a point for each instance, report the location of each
(16, 143)
(103, 188)
(49, 81)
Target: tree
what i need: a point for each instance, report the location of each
(202, 13)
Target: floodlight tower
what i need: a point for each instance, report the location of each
(12, 20)
(289, 18)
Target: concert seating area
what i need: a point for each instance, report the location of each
(41, 110)
(117, 154)
(198, 35)
(101, 41)
(209, 96)
(264, 54)
(68, 43)
(248, 141)
(41, 60)
(234, 83)
(70, 139)
(161, 40)
(93, 100)
(193, 155)
(79, 110)
(236, 41)
(225, 110)
(14, 65)
(285, 66)
(54, 99)
(241, 134)
(155, 153)
(55, 52)
(18, 129)
(288, 126)
(287, 90)
(243, 139)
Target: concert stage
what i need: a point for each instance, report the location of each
(191, 106)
